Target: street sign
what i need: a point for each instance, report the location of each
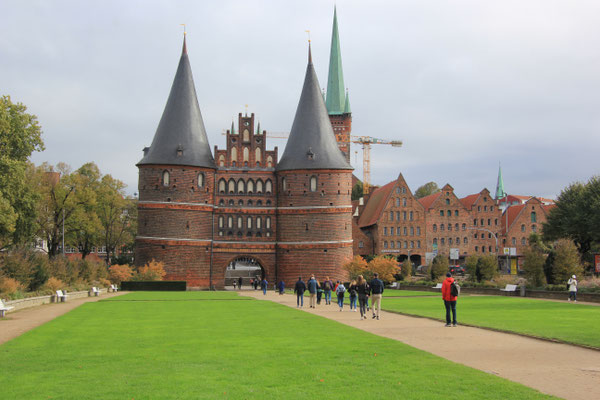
(506, 251)
(513, 251)
(454, 254)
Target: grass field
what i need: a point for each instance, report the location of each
(159, 346)
(572, 323)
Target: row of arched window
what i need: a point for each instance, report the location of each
(166, 178)
(450, 241)
(246, 157)
(406, 215)
(244, 224)
(402, 245)
(240, 202)
(312, 184)
(245, 187)
(399, 231)
(443, 227)
(482, 222)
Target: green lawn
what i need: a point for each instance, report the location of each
(408, 293)
(173, 349)
(572, 323)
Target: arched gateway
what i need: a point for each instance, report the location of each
(248, 268)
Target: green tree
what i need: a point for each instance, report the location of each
(487, 267)
(357, 191)
(439, 266)
(406, 270)
(576, 216)
(533, 266)
(471, 267)
(20, 135)
(566, 261)
(426, 190)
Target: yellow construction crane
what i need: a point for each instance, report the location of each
(366, 142)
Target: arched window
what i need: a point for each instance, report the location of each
(230, 222)
(268, 187)
(249, 223)
(523, 228)
(240, 222)
(257, 155)
(221, 221)
(249, 202)
(435, 227)
(166, 178)
(523, 241)
(412, 231)
(221, 202)
(404, 201)
(258, 223)
(533, 217)
(392, 244)
(222, 185)
(284, 184)
(200, 179)
(259, 203)
(533, 228)
(442, 227)
(240, 202)
(443, 241)
(231, 187)
(259, 186)
(233, 154)
(449, 227)
(405, 244)
(268, 223)
(464, 227)
(269, 161)
(465, 240)
(221, 160)
(434, 240)
(250, 188)
(385, 245)
(246, 135)
(240, 187)
(313, 183)
(246, 154)
(231, 202)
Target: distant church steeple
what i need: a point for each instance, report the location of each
(500, 193)
(337, 99)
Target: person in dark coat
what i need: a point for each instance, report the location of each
(299, 289)
(281, 286)
(362, 288)
(449, 300)
(319, 293)
(240, 280)
(312, 289)
(264, 285)
(327, 288)
(376, 292)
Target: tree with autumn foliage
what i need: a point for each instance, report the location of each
(355, 267)
(386, 267)
(119, 273)
(152, 271)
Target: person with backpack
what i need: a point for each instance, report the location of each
(572, 284)
(319, 293)
(340, 289)
(312, 289)
(299, 289)
(264, 285)
(353, 295)
(376, 292)
(281, 287)
(327, 287)
(449, 295)
(362, 288)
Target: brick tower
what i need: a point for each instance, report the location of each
(338, 101)
(314, 212)
(176, 188)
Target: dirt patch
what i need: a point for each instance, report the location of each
(557, 369)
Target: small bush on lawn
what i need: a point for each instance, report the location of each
(54, 284)
(152, 271)
(119, 273)
(355, 267)
(9, 287)
(439, 267)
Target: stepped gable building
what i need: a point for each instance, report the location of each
(395, 221)
(198, 216)
(484, 226)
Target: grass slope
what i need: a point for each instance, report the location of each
(572, 323)
(225, 349)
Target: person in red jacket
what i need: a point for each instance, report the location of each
(449, 300)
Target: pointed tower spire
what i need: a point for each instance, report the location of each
(311, 144)
(347, 104)
(500, 193)
(258, 129)
(232, 128)
(335, 81)
(180, 138)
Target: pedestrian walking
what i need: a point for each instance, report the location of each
(299, 289)
(240, 280)
(327, 288)
(353, 295)
(449, 299)
(256, 283)
(376, 286)
(312, 289)
(340, 290)
(264, 285)
(234, 283)
(572, 283)
(319, 293)
(281, 287)
(362, 287)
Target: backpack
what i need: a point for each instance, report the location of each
(341, 289)
(454, 290)
(327, 285)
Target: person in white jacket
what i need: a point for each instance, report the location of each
(573, 288)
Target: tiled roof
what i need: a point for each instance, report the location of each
(375, 205)
(513, 213)
(469, 200)
(427, 201)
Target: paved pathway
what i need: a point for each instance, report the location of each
(561, 370)
(18, 322)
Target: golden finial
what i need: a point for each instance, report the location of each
(184, 32)
(307, 31)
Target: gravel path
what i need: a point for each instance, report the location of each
(558, 369)
(18, 322)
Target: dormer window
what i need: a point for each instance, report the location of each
(309, 154)
(313, 183)
(165, 178)
(200, 179)
(179, 151)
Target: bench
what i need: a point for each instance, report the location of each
(509, 288)
(3, 309)
(114, 288)
(60, 296)
(438, 286)
(95, 291)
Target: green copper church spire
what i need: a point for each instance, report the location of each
(335, 101)
(347, 105)
(500, 193)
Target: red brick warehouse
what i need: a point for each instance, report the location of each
(199, 213)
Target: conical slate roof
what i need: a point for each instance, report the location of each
(312, 144)
(180, 138)
(335, 81)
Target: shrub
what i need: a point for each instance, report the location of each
(471, 267)
(406, 270)
(533, 267)
(487, 267)
(356, 267)
(17, 265)
(566, 261)
(9, 286)
(104, 282)
(54, 284)
(386, 268)
(439, 267)
(119, 273)
(152, 271)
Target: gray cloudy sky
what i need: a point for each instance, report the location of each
(465, 84)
